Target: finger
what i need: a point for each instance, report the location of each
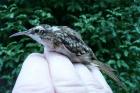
(100, 78)
(34, 76)
(64, 77)
(91, 79)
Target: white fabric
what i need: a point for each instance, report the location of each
(54, 73)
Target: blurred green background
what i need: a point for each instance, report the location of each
(110, 27)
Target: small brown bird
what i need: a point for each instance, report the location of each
(68, 42)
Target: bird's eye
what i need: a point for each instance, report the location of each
(36, 30)
(41, 31)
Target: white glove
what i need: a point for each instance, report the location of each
(54, 73)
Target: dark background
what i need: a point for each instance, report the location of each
(110, 27)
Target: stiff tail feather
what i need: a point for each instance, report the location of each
(110, 72)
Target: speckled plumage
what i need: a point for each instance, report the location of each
(66, 41)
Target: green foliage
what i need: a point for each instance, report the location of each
(110, 27)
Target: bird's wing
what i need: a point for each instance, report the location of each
(73, 43)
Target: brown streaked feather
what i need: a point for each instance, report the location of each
(74, 43)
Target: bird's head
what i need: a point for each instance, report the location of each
(35, 33)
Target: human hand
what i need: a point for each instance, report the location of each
(54, 73)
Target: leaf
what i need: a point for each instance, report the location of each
(118, 55)
(34, 21)
(111, 62)
(22, 16)
(126, 53)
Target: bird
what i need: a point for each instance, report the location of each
(68, 42)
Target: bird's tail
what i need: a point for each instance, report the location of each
(110, 72)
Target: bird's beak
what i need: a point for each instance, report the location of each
(19, 33)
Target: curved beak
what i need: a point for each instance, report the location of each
(19, 33)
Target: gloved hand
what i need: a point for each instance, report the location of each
(54, 73)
